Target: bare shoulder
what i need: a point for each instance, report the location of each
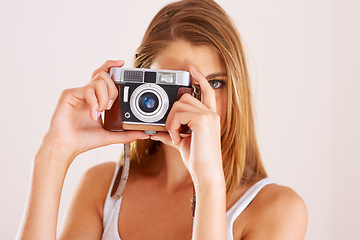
(103, 172)
(276, 197)
(85, 212)
(97, 180)
(277, 212)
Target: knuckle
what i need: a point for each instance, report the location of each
(109, 62)
(65, 92)
(186, 97)
(103, 75)
(209, 118)
(176, 105)
(96, 77)
(88, 90)
(96, 84)
(99, 85)
(100, 75)
(88, 87)
(203, 118)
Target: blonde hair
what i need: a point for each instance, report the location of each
(204, 22)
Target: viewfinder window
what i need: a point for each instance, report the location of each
(168, 78)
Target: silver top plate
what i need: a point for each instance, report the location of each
(136, 75)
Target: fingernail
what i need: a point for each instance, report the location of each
(145, 137)
(171, 137)
(154, 137)
(110, 104)
(96, 115)
(194, 68)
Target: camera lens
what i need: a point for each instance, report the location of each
(148, 102)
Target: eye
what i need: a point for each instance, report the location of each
(216, 84)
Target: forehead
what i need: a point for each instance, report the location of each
(180, 55)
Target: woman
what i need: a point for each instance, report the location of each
(220, 160)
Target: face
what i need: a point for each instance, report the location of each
(180, 55)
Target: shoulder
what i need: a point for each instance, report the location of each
(104, 170)
(277, 212)
(280, 198)
(98, 176)
(85, 212)
(96, 181)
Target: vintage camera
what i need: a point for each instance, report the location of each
(145, 98)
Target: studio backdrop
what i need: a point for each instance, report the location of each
(303, 58)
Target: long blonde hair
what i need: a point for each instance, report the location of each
(204, 22)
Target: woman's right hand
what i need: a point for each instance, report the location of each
(75, 126)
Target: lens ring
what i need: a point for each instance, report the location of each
(159, 112)
(145, 113)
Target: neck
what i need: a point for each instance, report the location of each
(168, 166)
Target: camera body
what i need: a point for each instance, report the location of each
(145, 98)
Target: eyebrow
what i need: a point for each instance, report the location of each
(215, 75)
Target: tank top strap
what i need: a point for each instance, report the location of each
(110, 204)
(243, 202)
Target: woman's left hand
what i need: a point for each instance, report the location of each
(201, 151)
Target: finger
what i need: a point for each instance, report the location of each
(179, 106)
(107, 65)
(111, 87)
(90, 97)
(188, 99)
(173, 126)
(74, 96)
(101, 92)
(163, 137)
(207, 92)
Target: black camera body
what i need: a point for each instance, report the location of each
(145, 98)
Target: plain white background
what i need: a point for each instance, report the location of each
(303, 58)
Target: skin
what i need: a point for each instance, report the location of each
(161, 181)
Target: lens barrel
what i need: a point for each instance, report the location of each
(149, 102)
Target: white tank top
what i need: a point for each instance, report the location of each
(112, 209)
